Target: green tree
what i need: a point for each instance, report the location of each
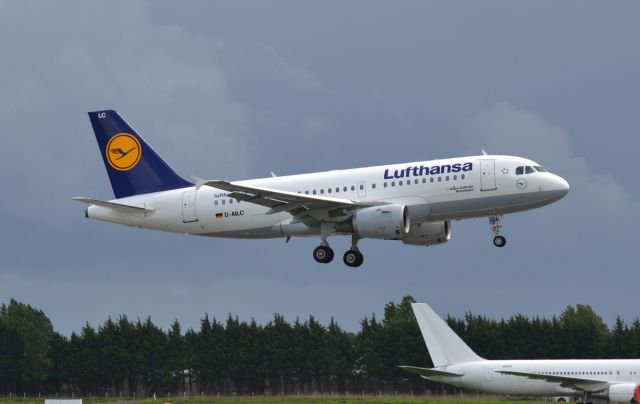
(35, 332)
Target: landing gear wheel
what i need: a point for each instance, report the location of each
(499, 241)
(353, 258)
(323, 254)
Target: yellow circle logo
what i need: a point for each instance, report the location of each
(123, 151)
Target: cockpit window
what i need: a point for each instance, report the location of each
(529, 170)
(520, 170)
(540, 169)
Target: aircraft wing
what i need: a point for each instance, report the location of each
(565, 381)
(283, 201)
(429, 372)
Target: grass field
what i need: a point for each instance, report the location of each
(284, 400)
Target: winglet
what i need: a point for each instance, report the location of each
(200, 182)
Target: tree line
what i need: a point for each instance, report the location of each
(125, 357)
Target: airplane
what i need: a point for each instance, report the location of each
(615, 380)
(412, 202)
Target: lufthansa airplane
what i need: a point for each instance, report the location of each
(412, 202)
(616, 380)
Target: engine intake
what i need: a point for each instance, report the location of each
(383, 222)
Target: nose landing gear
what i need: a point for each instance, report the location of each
(494, 221)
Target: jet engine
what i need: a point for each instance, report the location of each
(621, 393)
(383, 222)
(428, 233)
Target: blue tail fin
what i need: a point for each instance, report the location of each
(133, 167)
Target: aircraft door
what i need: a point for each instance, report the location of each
(488, 175)
(189, 207)
(362, 189)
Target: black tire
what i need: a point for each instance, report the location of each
(499, 241)
(353, 258)
(323, 254)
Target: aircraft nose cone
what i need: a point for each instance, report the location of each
(561, 186)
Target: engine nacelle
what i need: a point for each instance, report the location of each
(428, 233)
(384, 222)
(621, 393)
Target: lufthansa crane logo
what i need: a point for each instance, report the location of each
(123, 151)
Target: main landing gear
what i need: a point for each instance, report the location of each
(498, 240)
(352, 258)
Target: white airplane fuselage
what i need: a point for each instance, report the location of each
(485, 375)
(489, 186)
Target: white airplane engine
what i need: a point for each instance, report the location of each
(621, 393)
(428, 233)
(383, 222)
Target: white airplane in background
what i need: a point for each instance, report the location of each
(411, 202)
(616, 380)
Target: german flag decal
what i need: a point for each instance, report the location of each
(219, 215)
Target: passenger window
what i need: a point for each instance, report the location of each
(328, 190)
(353, 187)
(230, 201)
(344, 189)
(415, 181)
(385, 184)
(455, 177)
(520, 170)
(431, 179)
(529, 170)
(373, 186)
(424, 180)
(462, 176)
(361, 187)
(223, 201)
(439, 179)
(337, 189)
(399, 182)
(215, 203)
(393, 183)
(306, 192)
(446, 178)
(322, 191)
(314, 191)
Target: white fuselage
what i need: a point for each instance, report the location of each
(488, 186)
(486, 376)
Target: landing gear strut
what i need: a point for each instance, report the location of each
(498, 240)
(353, 258)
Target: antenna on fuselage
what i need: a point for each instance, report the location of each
(484, 153)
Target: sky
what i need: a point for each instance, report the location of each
(236, 89)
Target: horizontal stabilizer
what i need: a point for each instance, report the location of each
(113, 205)
(426, 372)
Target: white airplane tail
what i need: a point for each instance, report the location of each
(444, 345)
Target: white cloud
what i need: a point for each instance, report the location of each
(304, 79)
(595, 196)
